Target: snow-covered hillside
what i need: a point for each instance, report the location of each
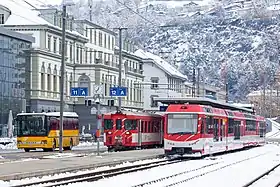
(234, 36)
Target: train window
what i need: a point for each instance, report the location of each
(130, 124)
(209, 125)
(202, 125)
(118, 124)
(216, 130)
(262, 128)
(250, 125)
(108, 124)
(237, 125)
(230, 125)
(142, 126)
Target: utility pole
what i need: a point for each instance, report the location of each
(62, 69)
(226, 92)
(90, 9)
(198, 82)
(193, 87)
(120, 65)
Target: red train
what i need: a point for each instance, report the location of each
(126, 129)
(201, 127)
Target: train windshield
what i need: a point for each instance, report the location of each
(182, 123)
(108, 124)
(31, 125)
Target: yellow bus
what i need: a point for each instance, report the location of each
(41, 130)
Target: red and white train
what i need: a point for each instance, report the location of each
(126, 129)
(202, 126)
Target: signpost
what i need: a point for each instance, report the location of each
(118, 91)
(79, 92)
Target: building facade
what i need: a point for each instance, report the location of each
(161, 80)
(205, 90)
(14, 83)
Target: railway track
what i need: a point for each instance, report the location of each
(260, 177)
(173, 176)
(97, 175)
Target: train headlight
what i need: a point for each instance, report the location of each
(127, 132)
(109, 132)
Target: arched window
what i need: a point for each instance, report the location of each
(43, 79)
(84, 81)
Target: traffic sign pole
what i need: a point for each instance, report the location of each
(99, 122)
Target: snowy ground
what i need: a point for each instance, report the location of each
(217, 171)
(275, 132)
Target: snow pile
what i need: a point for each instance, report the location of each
(64, 155)
(12, 143)
(36, 179)
(89, 144)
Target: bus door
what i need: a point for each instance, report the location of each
(140, 129)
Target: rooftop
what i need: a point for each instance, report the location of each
(23, 13)
(165, 66)
(17, 35)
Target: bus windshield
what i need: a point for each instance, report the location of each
(31, 125)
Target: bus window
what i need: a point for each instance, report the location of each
(118, 124)
(32, 126)
(108, 124)
(130, 124)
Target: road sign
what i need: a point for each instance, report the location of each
(118, 91)
(79, 92)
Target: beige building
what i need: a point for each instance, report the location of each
(205, 91)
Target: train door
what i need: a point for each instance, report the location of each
(237, 125)
(140, 130)
(161, 134)
(223, 138)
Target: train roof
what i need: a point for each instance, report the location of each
(201, 101)
(55, 114)
(134, 113)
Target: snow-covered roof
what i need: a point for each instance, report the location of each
(24, 14)
(165, 66)
(260, 92)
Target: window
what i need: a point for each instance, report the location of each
(66, 48)
(209, 125)
(90, 35)
(77, 54)
(2, 20)
(60, 47)
(109, 42)
(118, 124)
(216, 130)
(155, 81)
(42, 81)
(54, 44)
(237, 125)
(100, 39)
(108, 124)
(71, 51)
(105, 40)
(94, 36)
(262, 129)
(49, 82)
(130, 124)
(54, 83)
(49, 43)
(182, 123)
(250, 125)
(230, 125)
(153, 102)
(31, 126)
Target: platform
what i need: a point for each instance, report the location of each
(32, 168)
